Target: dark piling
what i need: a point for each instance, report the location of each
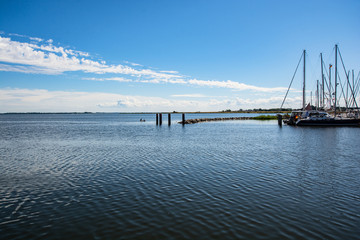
(279, 118)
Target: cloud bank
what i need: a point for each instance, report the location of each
(39, 100)
(48, 59)
(42, 57)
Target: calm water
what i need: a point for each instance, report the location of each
(109, 176)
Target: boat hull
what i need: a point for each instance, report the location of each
(329, 122)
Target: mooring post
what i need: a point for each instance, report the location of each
(157, 119)
(160, 118)
(183, 118)
(279, 117)
(169, 119)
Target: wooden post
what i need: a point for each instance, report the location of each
(183, 118)
(169, 119)
(157, 119)
(279, 117)
(160, 119)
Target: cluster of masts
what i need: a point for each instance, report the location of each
(326, 92)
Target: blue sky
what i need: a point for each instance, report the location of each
(131, 56)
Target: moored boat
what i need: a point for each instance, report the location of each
(317, 118)
(309, 117)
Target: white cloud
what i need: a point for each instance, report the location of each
(139, 79)
(17, 35)
(234, 85)
(208, 83)
(22, 69)
(189, 95)
(49, 59)
(24, 36)
(173, 72)
(133, 64)
(40, 100)
(117, 79)
(36, 39)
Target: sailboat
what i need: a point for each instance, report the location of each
(309, 117)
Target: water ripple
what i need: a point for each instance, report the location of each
(84, 177)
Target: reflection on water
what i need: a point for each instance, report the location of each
(110, 176)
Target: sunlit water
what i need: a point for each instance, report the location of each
(109, 176)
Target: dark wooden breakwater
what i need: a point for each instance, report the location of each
(198, 120)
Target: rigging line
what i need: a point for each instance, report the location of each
(292, 80)
(331, 55)
(347, 76)
(357, 84)
(327, 84)
(347, 90)
(312, 68)
(357, 81)
(342, 93)
(327, 74)
(342, 61)
(313, 73)
(352, 100)
(325, 67)
(357, 88)
(357, 92)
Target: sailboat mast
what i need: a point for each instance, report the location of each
(336, 49)
(353, 82)
(304, 83)
(317, 95)
(322, 82)
(330, 92)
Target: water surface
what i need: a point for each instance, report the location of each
(109, 176)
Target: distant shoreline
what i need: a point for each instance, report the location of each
(220, 112)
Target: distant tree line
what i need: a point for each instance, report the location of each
(259, 110)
